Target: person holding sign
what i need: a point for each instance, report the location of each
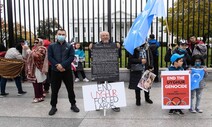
(105, 41)
(198, 74)
(176, 65)
(140, 61)
(61, 55)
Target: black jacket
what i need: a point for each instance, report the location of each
(135, 76)
(61, 54)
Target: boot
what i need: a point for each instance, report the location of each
(147, 99)
(138, 97)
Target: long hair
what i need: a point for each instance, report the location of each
(19, 47)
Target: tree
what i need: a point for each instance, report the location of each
(191, 17)
(19, 32)
(47, 28)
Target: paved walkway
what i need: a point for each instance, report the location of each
(19, 111)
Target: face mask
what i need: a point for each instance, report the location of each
(60, 38)
(197, 64)
(182, 50)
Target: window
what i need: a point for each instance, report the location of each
(100, 29)
(92, 39)
(91, 29)
(75, 29)
(76, 39)
(84, 38)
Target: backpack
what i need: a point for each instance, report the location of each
(153, 48)
(200, 49)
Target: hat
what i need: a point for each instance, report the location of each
(181, 42)
(176, 56)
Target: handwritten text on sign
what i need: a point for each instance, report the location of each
(104, 96)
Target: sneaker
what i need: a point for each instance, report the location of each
(4, 94)
(180, 111)
(85, 80)
(171, 111)
(199, 110)
(192, 111)
(117, 109)
(35, 100)
(74, 108)
(149, 101)
(21, 93)
(76, 80)
(52, 111)
(41, 99)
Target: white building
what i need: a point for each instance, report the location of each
(97, 25)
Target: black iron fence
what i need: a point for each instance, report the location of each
(85, 19)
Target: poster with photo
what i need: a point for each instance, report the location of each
(76, 60)
(146, 80)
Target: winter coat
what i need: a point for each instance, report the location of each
(135, 76)
(186, 58)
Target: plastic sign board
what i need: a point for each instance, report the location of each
(104, 96)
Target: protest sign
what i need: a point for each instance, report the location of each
(104, 96)
(146, 80)
(105, 62)
(175, 87)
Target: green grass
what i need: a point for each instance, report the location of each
(162, 63)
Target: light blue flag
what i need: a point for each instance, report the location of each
(140, 27)
(196, 76)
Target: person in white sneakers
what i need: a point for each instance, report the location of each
(79, 58)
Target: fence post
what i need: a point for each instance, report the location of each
(109, 17)
(10, 23)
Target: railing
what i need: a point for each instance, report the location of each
(85, 19)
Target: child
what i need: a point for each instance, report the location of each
(80, 53)
(198, 63)
(176, 65)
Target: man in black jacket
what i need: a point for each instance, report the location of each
(60, 55)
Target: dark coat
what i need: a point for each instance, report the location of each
(186, 58)
(135, 76)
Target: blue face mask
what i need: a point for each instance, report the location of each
(61, 38)
(197, 64)
(182, 50)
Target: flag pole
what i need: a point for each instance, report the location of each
(169, 44)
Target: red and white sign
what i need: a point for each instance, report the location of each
(104, 96)
(175, 89)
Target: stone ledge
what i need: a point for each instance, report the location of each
(125, 76)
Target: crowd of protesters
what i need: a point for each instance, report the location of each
(47, 64)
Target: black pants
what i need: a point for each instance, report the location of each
(56, 80)
(138, 96)
(82, 73)
(46, 85)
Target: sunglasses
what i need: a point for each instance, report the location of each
(36, 42)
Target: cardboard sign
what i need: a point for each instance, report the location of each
(104, 96)
(175, 87)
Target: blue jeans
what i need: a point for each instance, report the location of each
(198, 93)
(17, 82)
